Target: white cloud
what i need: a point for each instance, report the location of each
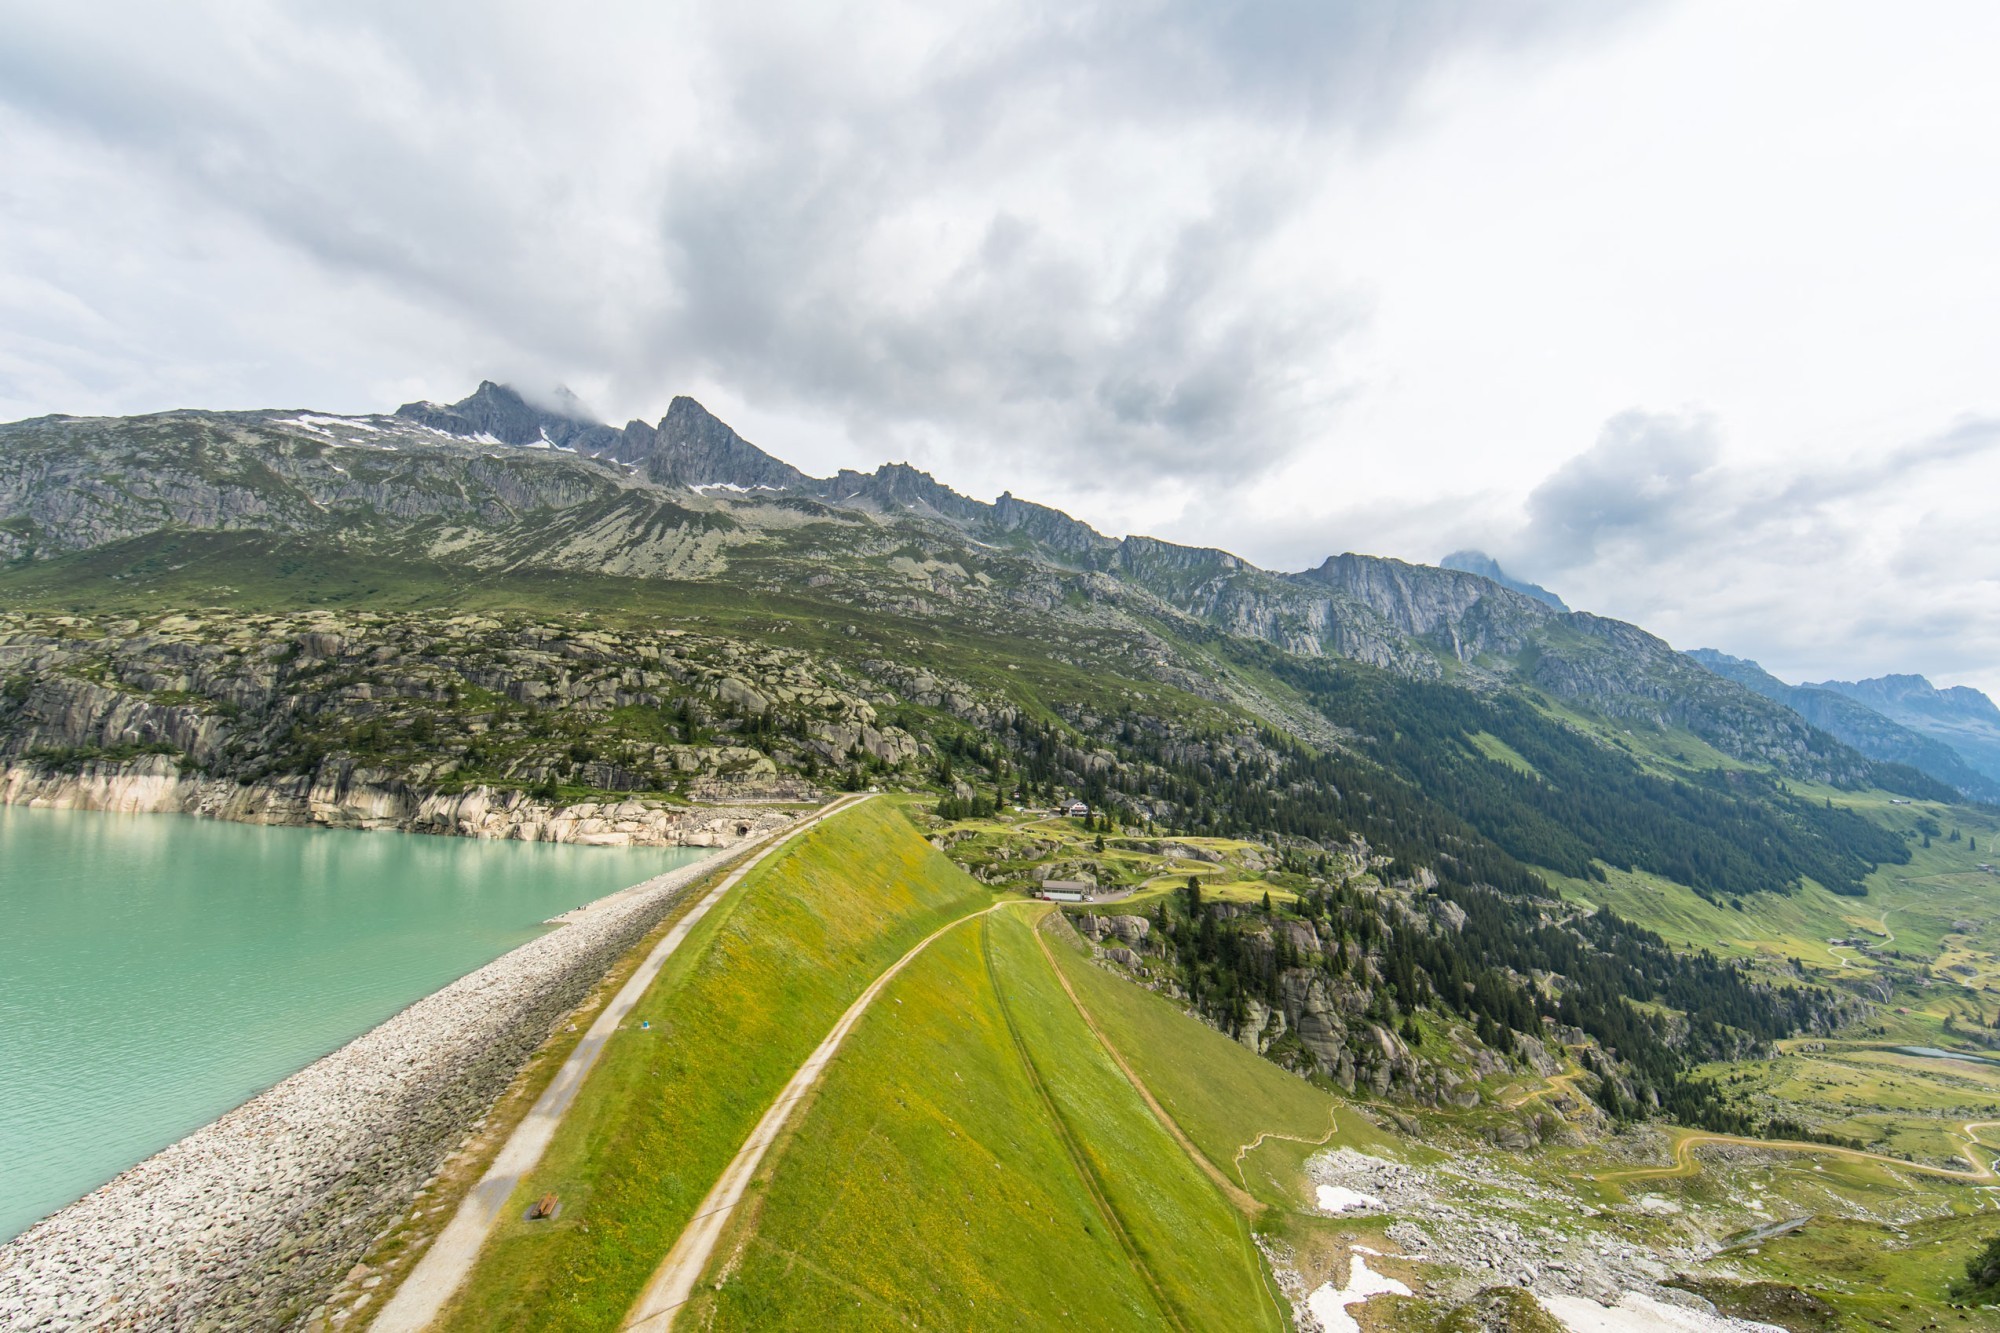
(1886, 560)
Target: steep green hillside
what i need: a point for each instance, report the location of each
(979, 1154)
(1253, 1125)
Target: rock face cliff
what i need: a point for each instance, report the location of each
(339, 795)
(693, 448)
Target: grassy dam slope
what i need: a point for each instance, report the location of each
(1009, 1137)
(975, 1160)
(735, 1012)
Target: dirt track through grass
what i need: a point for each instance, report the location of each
(974, 1159)
(1684, 1163)
(757, 985)
(677, 1274)
(1332, 1128)
(445, 1266)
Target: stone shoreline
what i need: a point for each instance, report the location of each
(345, 796)
(246, 1222)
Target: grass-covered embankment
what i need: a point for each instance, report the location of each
(754, 989)
(976, 1160)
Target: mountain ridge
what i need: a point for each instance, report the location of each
(1867, 729)
(1959, 716)
(494, 482)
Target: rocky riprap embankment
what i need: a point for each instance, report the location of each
(243, 1223)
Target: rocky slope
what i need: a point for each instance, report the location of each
(463, 726)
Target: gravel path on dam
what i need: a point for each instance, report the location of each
(242, 1223)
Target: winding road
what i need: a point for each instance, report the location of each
(1888, 937)
(1685, 1165)
(1565, 1080)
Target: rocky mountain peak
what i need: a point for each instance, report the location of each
(895, 487)
(1420, 598)
(1051, 527)
(491, 409)
(1486, 567)
(499, 412)
(1915, 694)
(693, 447)
(1961, 717)
(1877, 717)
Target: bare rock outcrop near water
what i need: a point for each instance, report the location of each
(244, 1223)
(357, 798)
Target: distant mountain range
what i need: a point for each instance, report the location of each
(496, 484)
(1960, 716)
(1953, 735)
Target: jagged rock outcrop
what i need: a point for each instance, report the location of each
(692, 448)
(1046, 527)
(497, 412)
(1461, 613)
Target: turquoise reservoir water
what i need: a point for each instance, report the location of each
(157, 970)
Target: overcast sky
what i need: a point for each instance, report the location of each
(1685, 308)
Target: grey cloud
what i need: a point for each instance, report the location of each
(1097, 193)
(1654, 485)
(1350, 61)
(1965, 440)
(1642, 480)
(1111, 354)
(1881, 562)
